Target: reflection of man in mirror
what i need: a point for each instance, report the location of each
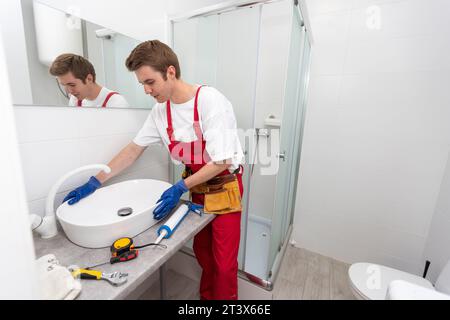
(77, 75)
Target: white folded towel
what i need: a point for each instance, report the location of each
(56, 281)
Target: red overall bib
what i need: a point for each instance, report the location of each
(216, 246)
(79, 102)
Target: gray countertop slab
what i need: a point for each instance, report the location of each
(139, 269)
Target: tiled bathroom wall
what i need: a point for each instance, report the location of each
(377, 134)
(56, 140)
(437, 250)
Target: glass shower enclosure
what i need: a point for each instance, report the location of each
(257, 55)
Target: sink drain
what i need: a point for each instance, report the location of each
(124, 212)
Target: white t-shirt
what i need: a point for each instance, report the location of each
(115, 101)
(217, 122)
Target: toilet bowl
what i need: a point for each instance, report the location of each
(370, 281)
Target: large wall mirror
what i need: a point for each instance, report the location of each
(50, 32)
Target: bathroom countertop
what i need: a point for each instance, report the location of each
(150, 259)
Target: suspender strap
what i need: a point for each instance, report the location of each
(107, 98)
(79, 102)
(198, 131)
(196, 117)
(169, 121)
(196, 124)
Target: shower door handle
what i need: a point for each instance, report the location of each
(262, 132)
(282, 155)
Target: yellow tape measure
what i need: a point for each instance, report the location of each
(121, 245)
(123, 250)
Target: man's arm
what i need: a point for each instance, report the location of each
(207, 172)
(125, 158)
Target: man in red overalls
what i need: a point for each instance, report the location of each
(198, 127)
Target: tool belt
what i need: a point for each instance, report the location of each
(222, 194)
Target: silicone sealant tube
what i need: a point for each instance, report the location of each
(166, 230)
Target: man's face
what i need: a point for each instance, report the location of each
(154, 83)
(75, 86)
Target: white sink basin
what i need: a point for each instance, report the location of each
(94, 222)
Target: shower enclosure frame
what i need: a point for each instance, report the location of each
(222, 8)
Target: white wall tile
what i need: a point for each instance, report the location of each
(403, 246)
(323, 93)
(443, 202)
(44, 163)
(334, 237)
(437, 250)
(96, 122)
(377, 136)
(395, 172)
(34, 123)
(414, 266)
(328, 59)
(403, 54)
(317, 7)
(358, 4)
(37, 206)
(155, 171)
(155, 154)
(331, 42)
(338, 237)
(406, 91)
(401, 19)
(331, 28)
(40, 123)
(101, 149)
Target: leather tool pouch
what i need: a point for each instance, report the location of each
(224, 200)
(222, 194)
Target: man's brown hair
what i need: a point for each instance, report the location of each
(155, 54)
(79, 66)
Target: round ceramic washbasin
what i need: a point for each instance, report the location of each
(124, 209)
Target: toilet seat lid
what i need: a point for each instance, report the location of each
(372, 280)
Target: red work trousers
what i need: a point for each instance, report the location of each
(216, 248)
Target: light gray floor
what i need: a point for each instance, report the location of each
(304, 275)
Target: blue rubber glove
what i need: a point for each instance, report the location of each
(83, 191)
(169, 199)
